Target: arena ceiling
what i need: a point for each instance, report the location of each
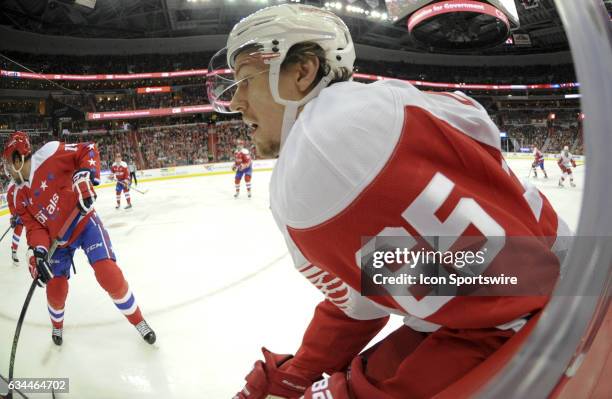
(176, 18)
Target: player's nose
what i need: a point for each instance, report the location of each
(238, 103)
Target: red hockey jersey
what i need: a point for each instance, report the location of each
(242, 159)
(120, 170)
(396, 161)
(46, 202)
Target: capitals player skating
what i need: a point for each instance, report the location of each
(243, 165)
(538, 160)
(121, 174)
(566, 163)
(55, 201)
(358, 160)
(16, 223)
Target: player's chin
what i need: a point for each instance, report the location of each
(266, 149)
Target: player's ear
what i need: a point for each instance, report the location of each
(307, 73)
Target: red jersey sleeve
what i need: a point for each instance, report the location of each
(332, 331)
(10, 200)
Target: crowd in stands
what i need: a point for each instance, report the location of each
(560, 138)
(158, 142)
(527, 135)
(13, 106)
(174, 146)
(169, 146)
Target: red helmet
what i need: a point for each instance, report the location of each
(19, 142)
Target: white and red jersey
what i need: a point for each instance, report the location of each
(120, 170)
(566, 160)
(388, 159)
(46, 202)
(537, 156)
(242, 159)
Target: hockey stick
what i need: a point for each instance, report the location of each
(16, 390)
(7, 230)
(139, 191)
(24, 310)
(133, 188)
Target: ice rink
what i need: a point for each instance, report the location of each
(212, 277)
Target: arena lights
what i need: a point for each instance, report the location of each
(357, 10)
(336, 5)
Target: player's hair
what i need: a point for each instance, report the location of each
(300, 52)
(15, 156)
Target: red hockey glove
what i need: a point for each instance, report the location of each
(267, 379)
(82, 185)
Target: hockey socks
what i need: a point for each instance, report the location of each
(57, 291)
(111, 278)
(247, 181)
(16, 236)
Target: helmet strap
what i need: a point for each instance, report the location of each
(292, 107)
(18, 171)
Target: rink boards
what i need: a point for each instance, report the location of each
(178, 172)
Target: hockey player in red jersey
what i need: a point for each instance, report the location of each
(16, 223)
(566, 163)
(121, 173)
(243, 165)
(55, 201)
(344, 151)
(538, 160)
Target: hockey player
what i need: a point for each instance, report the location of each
(538, 160)
(243, 165)
(121, 174)
(16, 223)
(55, 202)
(566, 163)
(344, 150)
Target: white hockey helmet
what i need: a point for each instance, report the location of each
(566, 148)
(244, 151)
(269, 33)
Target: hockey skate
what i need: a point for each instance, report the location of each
(129, 206)
(561, 184)
(146, 332)
(572, 184)
(15, 258)
(249, 194)
(118, 206)
(56, 336)
(237, 194)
